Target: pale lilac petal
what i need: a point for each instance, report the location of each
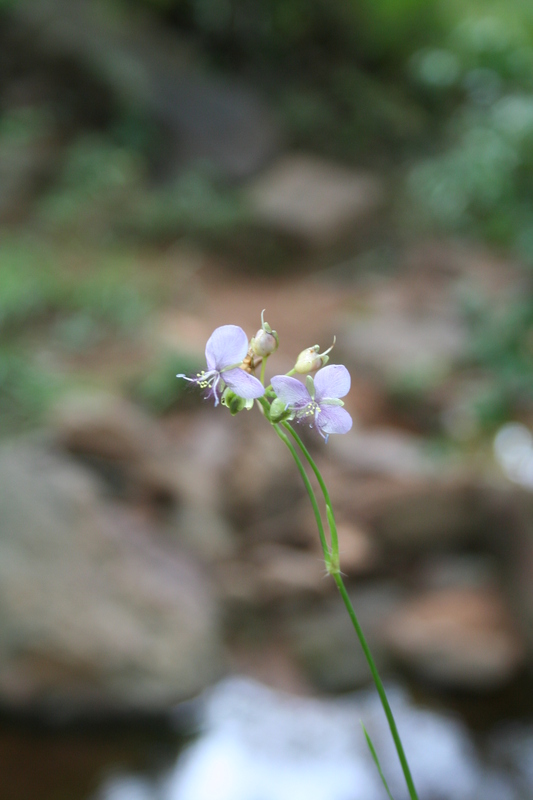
(333, 419)
(226, 346)
(243, 384)
(291, 391)
(332, 381)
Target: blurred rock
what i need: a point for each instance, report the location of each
(313, 201)
(262, 488)
(200, 467)
(323, 639)
(406, 326)
(453, 570)
(511, 746)
(513, 541)
(368, 402)
(95, 609)
(272, 573)
(383, 451)
(120, 439)
(285, 573)
(463, 638)
(393, 343)
(359, 552)
(415, 513)
(156, 75)
(106, 426)
(465, 266)
(237, 585)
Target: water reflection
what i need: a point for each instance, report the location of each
(513, 448)
(260, 744)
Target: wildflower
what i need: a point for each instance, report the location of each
(319, 399)
(225, 351)
(310, 359)
(266, 341)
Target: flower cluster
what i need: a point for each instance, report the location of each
(231, 360)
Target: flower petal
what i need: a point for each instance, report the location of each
(332, 381)
(243, 384)
(291, 391)
(333, 419)
(226, 346)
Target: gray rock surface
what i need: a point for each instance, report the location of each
(323, 639)
(458, 637)
(120, 439)
(416, 513)
(313, 201)
(394, 343)
(383, 451)
(95, 608)
(516, 555)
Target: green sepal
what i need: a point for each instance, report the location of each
(279, 411)
(234, 402)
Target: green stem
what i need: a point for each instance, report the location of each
(379, 686)
(324, 488)
(310, 491)
(263, 367)
(355, 622)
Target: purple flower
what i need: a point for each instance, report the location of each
(319, 399)
(225, 351)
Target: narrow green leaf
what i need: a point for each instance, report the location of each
(376, 760)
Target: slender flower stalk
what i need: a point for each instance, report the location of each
(332, 558)
(263, 367)
(323, 487)
(318, 402)
(307, 483)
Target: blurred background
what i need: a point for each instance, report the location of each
(359, 168)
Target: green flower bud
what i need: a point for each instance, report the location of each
(234, 402)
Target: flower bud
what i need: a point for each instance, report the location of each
(265, 341)
(310, 359)
(234, 402)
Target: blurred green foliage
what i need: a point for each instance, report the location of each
(481, 181)
(36, 288)
(104, 192)
(478, 181)
(25, 391)
(335, 70)
(502, 345)
(158, 389)
(266, 28)
(98, 182)
(441, 95)
(42, 301)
